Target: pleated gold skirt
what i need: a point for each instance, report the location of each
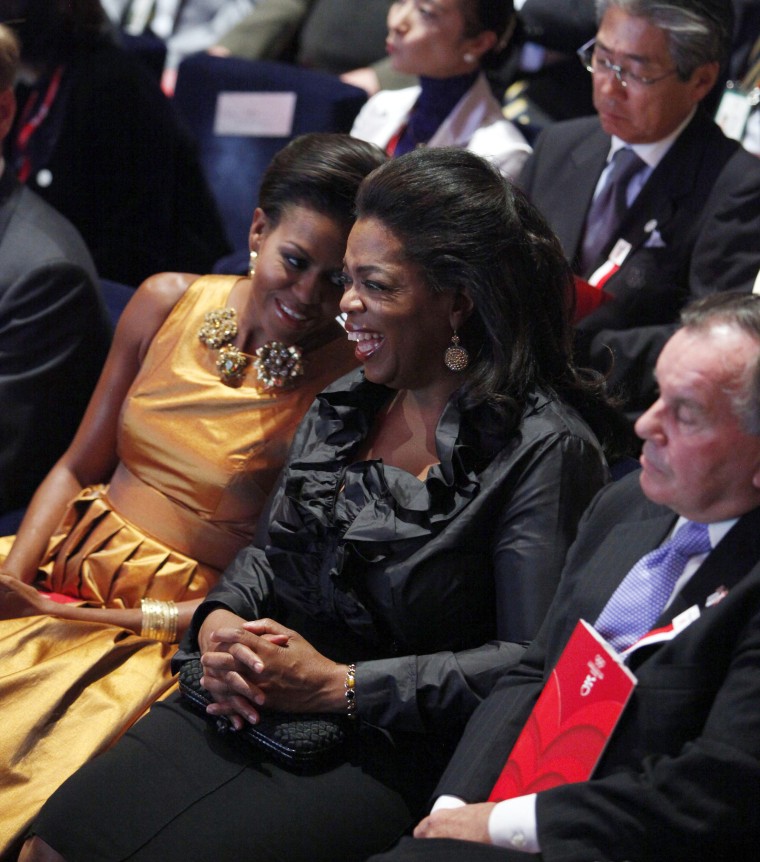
(70, 689)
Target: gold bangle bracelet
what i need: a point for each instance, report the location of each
(159, 620)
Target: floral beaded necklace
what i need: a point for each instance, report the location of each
(278, 366)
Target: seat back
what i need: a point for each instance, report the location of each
(148, 48)
(115, 296)
(239, 112)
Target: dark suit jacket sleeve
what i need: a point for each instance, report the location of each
(536, 527)
(727, 252)
(726, 256)
(45, 318)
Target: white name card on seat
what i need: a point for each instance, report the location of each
(262, 115)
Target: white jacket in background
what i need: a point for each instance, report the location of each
(476, 123)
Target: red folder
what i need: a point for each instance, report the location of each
(587, 298)
(573, 718)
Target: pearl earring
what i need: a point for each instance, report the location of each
(252, 258)
(468, 58)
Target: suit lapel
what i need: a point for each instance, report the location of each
(589, 158)
(725, 566)
(686, 164)
(620, 550)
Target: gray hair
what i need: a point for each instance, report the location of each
(741, 311)
(698, 31)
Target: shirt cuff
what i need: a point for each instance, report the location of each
(447, 802)
(512, 824)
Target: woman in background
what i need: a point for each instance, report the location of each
(187, 430)
(447, 43)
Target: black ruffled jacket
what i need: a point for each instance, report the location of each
(427, 585)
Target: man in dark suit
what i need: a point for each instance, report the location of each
(54, 329)
(690, 214)
(680, 777)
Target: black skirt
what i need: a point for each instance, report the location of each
(172, 788)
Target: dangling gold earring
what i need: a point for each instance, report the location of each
(252, 258)
(456, 357)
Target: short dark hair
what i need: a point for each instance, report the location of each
(742, 311)
(498, 17)
(9, 57)
(698, 31)
(319, 170)
(467, 228)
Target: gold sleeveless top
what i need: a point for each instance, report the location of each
(197, 461)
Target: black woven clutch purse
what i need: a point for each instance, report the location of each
(294, 739)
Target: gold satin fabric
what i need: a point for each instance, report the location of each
(198, 459)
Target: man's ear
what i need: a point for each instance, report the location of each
(703, 79)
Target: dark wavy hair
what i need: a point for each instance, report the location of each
(321, 171)
(469, 229)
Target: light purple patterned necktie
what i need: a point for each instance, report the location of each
(641, 596)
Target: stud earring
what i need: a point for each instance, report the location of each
(456, 357)
(252, 258)
(468, 57)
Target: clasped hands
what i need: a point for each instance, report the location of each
(248, 665)
(260, 663)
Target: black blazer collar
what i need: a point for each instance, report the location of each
(696, 158)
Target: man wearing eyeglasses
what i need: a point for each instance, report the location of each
(652, 203)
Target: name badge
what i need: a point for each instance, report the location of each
(734, 110)
(620, 251)
(613, 263)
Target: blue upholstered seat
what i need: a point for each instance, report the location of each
(234, 163)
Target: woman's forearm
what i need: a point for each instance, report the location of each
(43, 515)
(127, 618)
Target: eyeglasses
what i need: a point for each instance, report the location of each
(593, 63)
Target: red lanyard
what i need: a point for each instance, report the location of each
(30, 124)
(390, 147)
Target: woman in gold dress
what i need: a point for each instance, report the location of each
(162, 485)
